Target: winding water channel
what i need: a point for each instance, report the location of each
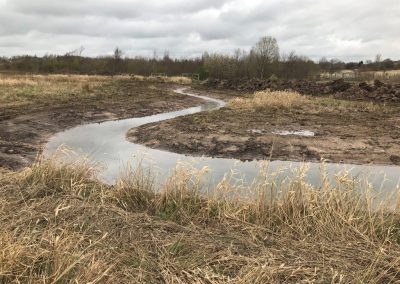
(106, 143)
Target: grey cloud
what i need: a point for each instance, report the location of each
(115, 8)
(340, 28)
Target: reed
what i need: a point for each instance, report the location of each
(270, 99)
(60, 224)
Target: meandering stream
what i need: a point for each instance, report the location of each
(106, 144)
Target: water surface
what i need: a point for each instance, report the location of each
(106, 143)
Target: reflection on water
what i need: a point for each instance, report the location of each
(304, 133)
(106, 143)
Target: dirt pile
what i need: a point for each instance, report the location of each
(254, 84)
(340, 89)
(379, 91)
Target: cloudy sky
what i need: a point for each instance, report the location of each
(344, 29)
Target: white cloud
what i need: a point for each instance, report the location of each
(344, 29)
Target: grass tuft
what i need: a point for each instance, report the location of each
(61, 225)
(270, 99)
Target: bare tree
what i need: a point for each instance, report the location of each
(324, 64)
(267, 51)
(118, 53)
(117, 60)
(80, 50)
(378, 61)
(76, 52)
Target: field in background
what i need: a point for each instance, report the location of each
(61, 225)
(386, 76)
(33, 89)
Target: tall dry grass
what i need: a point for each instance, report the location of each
(33, 79)
(288, 100)
(20, 90)
(60, 225)
(270, 99)
(32, 89)
(163, 79)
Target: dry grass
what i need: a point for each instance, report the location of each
(388, 76)
(270, 99)
(289, 101)
(60, 225)
(17, 80)
(22, 90)
(17, 90)
(164, 79)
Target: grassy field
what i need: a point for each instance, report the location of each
(388, 75)
(61, 225)
(18, 90)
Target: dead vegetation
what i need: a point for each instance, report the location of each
(163, 79)
(23, 90)
(293, 101)
(272, 99)
(353, 132)
(340, 89)
(60, 225)
(19, 90)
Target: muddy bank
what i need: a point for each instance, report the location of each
(347, 132)
(377, 91)
(25, 130)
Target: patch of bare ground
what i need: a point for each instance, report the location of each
(32, 108)
(248, 128)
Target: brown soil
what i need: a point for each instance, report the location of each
(378, 91)
(24, 130)
(349, 132)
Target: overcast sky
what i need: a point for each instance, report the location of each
(344, 29)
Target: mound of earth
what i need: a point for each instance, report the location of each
(340, 89)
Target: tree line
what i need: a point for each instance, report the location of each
(263, 60)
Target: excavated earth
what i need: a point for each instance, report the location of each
(377, 92)
(24, 130)
(351, 132)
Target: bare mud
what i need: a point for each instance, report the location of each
(24, 131)
(349, 133)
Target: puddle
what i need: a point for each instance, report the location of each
(256, 131)
(304, 133)
(106, 144)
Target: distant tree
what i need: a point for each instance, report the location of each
(324, 64)
(166, 57)
(378, 58)
(76, 52)
(297, 67)
(118, 62)
(387, 64)
(351, 65)
(336, 65)
(266, 51)
(118, 53)
(221, 66)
